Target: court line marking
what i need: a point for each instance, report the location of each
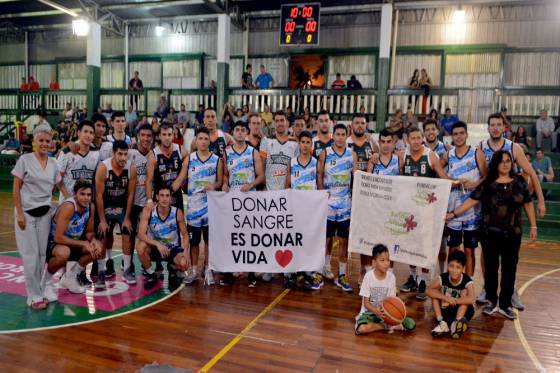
(39, 329)
(243, 333)
(256, 338)
(517, 323)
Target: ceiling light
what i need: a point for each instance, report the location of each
(80, 27)
(459, 16)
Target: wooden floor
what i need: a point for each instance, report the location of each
(300, 332)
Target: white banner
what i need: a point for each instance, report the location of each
(275, 231)
(402, 212)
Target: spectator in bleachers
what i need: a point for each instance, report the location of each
(354, 83)
(266, 115)
(520, 137)
(183, 117)
(135, 84)
(543, 166)
(447, 122)
(409, 119)
(307, 120)
(178, 136)
(247, 77)
(24, 87)
(108, 111)
(68, 113)
(131, 119)
(505, 116)
(395, 123)
(162, 110)
(11, 145)
(200, 115)
(79, 115)
(27, 144)
(338, 83)
(172, 115)
(545, 129)
(42, 118)
(54, 86)
(264, 80)
(33, 84)
(227, 122)
(414, 83)
(290, 116)
(425, 82)
(434, 115)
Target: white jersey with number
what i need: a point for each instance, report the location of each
(74, 167)
(141, 162)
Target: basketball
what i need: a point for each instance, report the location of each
(394, 310)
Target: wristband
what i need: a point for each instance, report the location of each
(533, 227)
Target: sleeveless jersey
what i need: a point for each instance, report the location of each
(256, 147)
(421, 167)
(337, 179)
(278, 156)
(218, 147)
(77, 166)
(452, 290)
(116, 186)
(392, 168)
(241, 167)
(200, 175)
(167, 169)
(303, 177)
(112, 139)
(77, 224)
(465, 167)
(319, 146)
(489, 152)
(363, 152)
(165, 231)
(440, 149)
(141, 162)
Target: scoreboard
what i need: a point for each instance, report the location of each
(299, 24)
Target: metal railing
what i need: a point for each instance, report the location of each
(528, 102)
(191, 98)
(414, 99)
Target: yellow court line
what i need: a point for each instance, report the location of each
(8, 232)
(517, 323)
(240, 336)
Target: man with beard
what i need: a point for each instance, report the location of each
(218, 139)
(323, 139)
(279, 152)
(431, 132)
(118, 122)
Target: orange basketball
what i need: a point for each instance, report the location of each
(394, 310)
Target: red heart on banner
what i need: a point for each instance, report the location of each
(284, 257)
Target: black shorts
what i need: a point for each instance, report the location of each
(75, 253)
(177, 200)
(196, 233)
(338, 228)
(469, 239)
(114, 216)
(449, 314)
(155, 255)
(135, 214)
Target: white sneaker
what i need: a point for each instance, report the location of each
(441, 328)
(327, 272)
(51, 292)
(190, 276)
(71, 284)
(481, 299)
(208, 277)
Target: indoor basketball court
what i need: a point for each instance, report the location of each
(164, 65)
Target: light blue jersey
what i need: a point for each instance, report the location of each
(77, 224)
(440, 149)
(489, 152)
(200, 175)
(240, 167)
(392, 169)
(465, 167)
(303, 177)
(165, 231)
(337, 180)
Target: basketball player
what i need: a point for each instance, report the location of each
(386, 162)
(466, 163)
(218, 139)
(118, 123)
(302, 175)
(255, 131)
(72, 219)
(115, 183)
(496, 128)
(164, 165)
(324, 139)
(138, 156)
(100, 123)
(336, 164)
(243, 170)
(431, 132)
(363, 145)
(278, 153)
(205, 173)
(163, 235)
(297, 128)
(419, 161)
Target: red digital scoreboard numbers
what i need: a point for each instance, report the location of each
(299, 24)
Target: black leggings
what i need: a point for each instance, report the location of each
(494, 248)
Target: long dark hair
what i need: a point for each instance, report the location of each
(493, 172)
(414, 75)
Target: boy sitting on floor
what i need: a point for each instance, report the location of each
(378, 284)
(452, 296)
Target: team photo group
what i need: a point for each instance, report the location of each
(258, 208)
